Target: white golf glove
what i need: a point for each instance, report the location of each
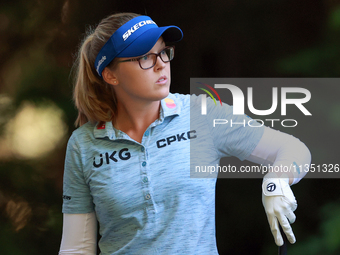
(279, 203)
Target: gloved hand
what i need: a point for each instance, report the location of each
(279, 203)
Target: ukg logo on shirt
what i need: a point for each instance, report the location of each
(123, 154)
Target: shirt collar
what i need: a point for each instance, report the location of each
(169, 106)
(106, 129)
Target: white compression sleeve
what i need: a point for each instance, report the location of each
(79, 234)
(283, 150)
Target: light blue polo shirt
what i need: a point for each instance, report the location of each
(145, 200)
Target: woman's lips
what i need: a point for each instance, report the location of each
(162, 80)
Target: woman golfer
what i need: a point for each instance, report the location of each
(129, 165)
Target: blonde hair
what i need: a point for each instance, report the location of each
(93, 97)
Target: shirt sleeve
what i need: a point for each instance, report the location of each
(76, 192)
(233, 135)
(284, 152)
(79, 234)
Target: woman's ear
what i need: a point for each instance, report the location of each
(109, 76)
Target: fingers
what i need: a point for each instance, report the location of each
(275, 222)
(274, 227)
(291, 217)
(291, 202)
(287, 229)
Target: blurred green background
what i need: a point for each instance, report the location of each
(264, 38)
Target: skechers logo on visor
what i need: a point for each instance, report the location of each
(133, 29)
(101, 62)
